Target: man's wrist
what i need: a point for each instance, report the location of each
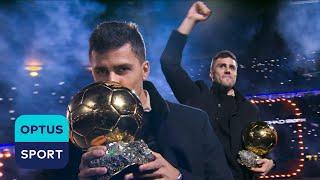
(186, 26)
(191, 19)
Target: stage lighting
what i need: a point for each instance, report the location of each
(33, 74)
(33, 66)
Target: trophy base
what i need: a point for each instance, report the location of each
(248, 159)
(120, 156)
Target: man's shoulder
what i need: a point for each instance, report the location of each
(185, 119)
(247, 102)
(187, 112)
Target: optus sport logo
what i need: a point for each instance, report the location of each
(41, 141)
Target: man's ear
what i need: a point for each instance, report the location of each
(145, 69)
(90, 64)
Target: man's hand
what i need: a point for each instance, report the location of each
(157, 169)
(92, 153)
(197, 12)
(266, 166)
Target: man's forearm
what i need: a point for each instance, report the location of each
(186, 26)
(172, 53)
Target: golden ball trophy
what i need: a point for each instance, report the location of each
(106, 113)
(259, 138)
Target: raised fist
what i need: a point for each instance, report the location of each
(199, 11)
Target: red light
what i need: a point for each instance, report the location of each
(1, 164)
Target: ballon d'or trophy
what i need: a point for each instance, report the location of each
(106, 113)
(258, 138)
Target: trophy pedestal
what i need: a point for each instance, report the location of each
(121, 155)
(248, 159)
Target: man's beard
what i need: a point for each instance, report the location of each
(227, 84)
(227, 87)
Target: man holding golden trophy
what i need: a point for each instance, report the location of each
(126, 129)
(229, 111)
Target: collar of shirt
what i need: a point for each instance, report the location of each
(147, 105)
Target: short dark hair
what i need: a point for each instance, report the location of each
(223, 54)
(112, 35)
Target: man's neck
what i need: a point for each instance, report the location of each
(144, 99)
(223, 89)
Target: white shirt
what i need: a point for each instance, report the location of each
(147, 105)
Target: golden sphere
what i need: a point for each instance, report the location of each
(259, 137)
(102, 113)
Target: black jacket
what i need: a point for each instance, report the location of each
(199, 95)
(184, 138)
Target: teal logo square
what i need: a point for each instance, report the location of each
(41, 128)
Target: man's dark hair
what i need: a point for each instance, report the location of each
(223, 54)
(112, 35)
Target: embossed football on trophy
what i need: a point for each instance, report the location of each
(259, 139)
(103, 113)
